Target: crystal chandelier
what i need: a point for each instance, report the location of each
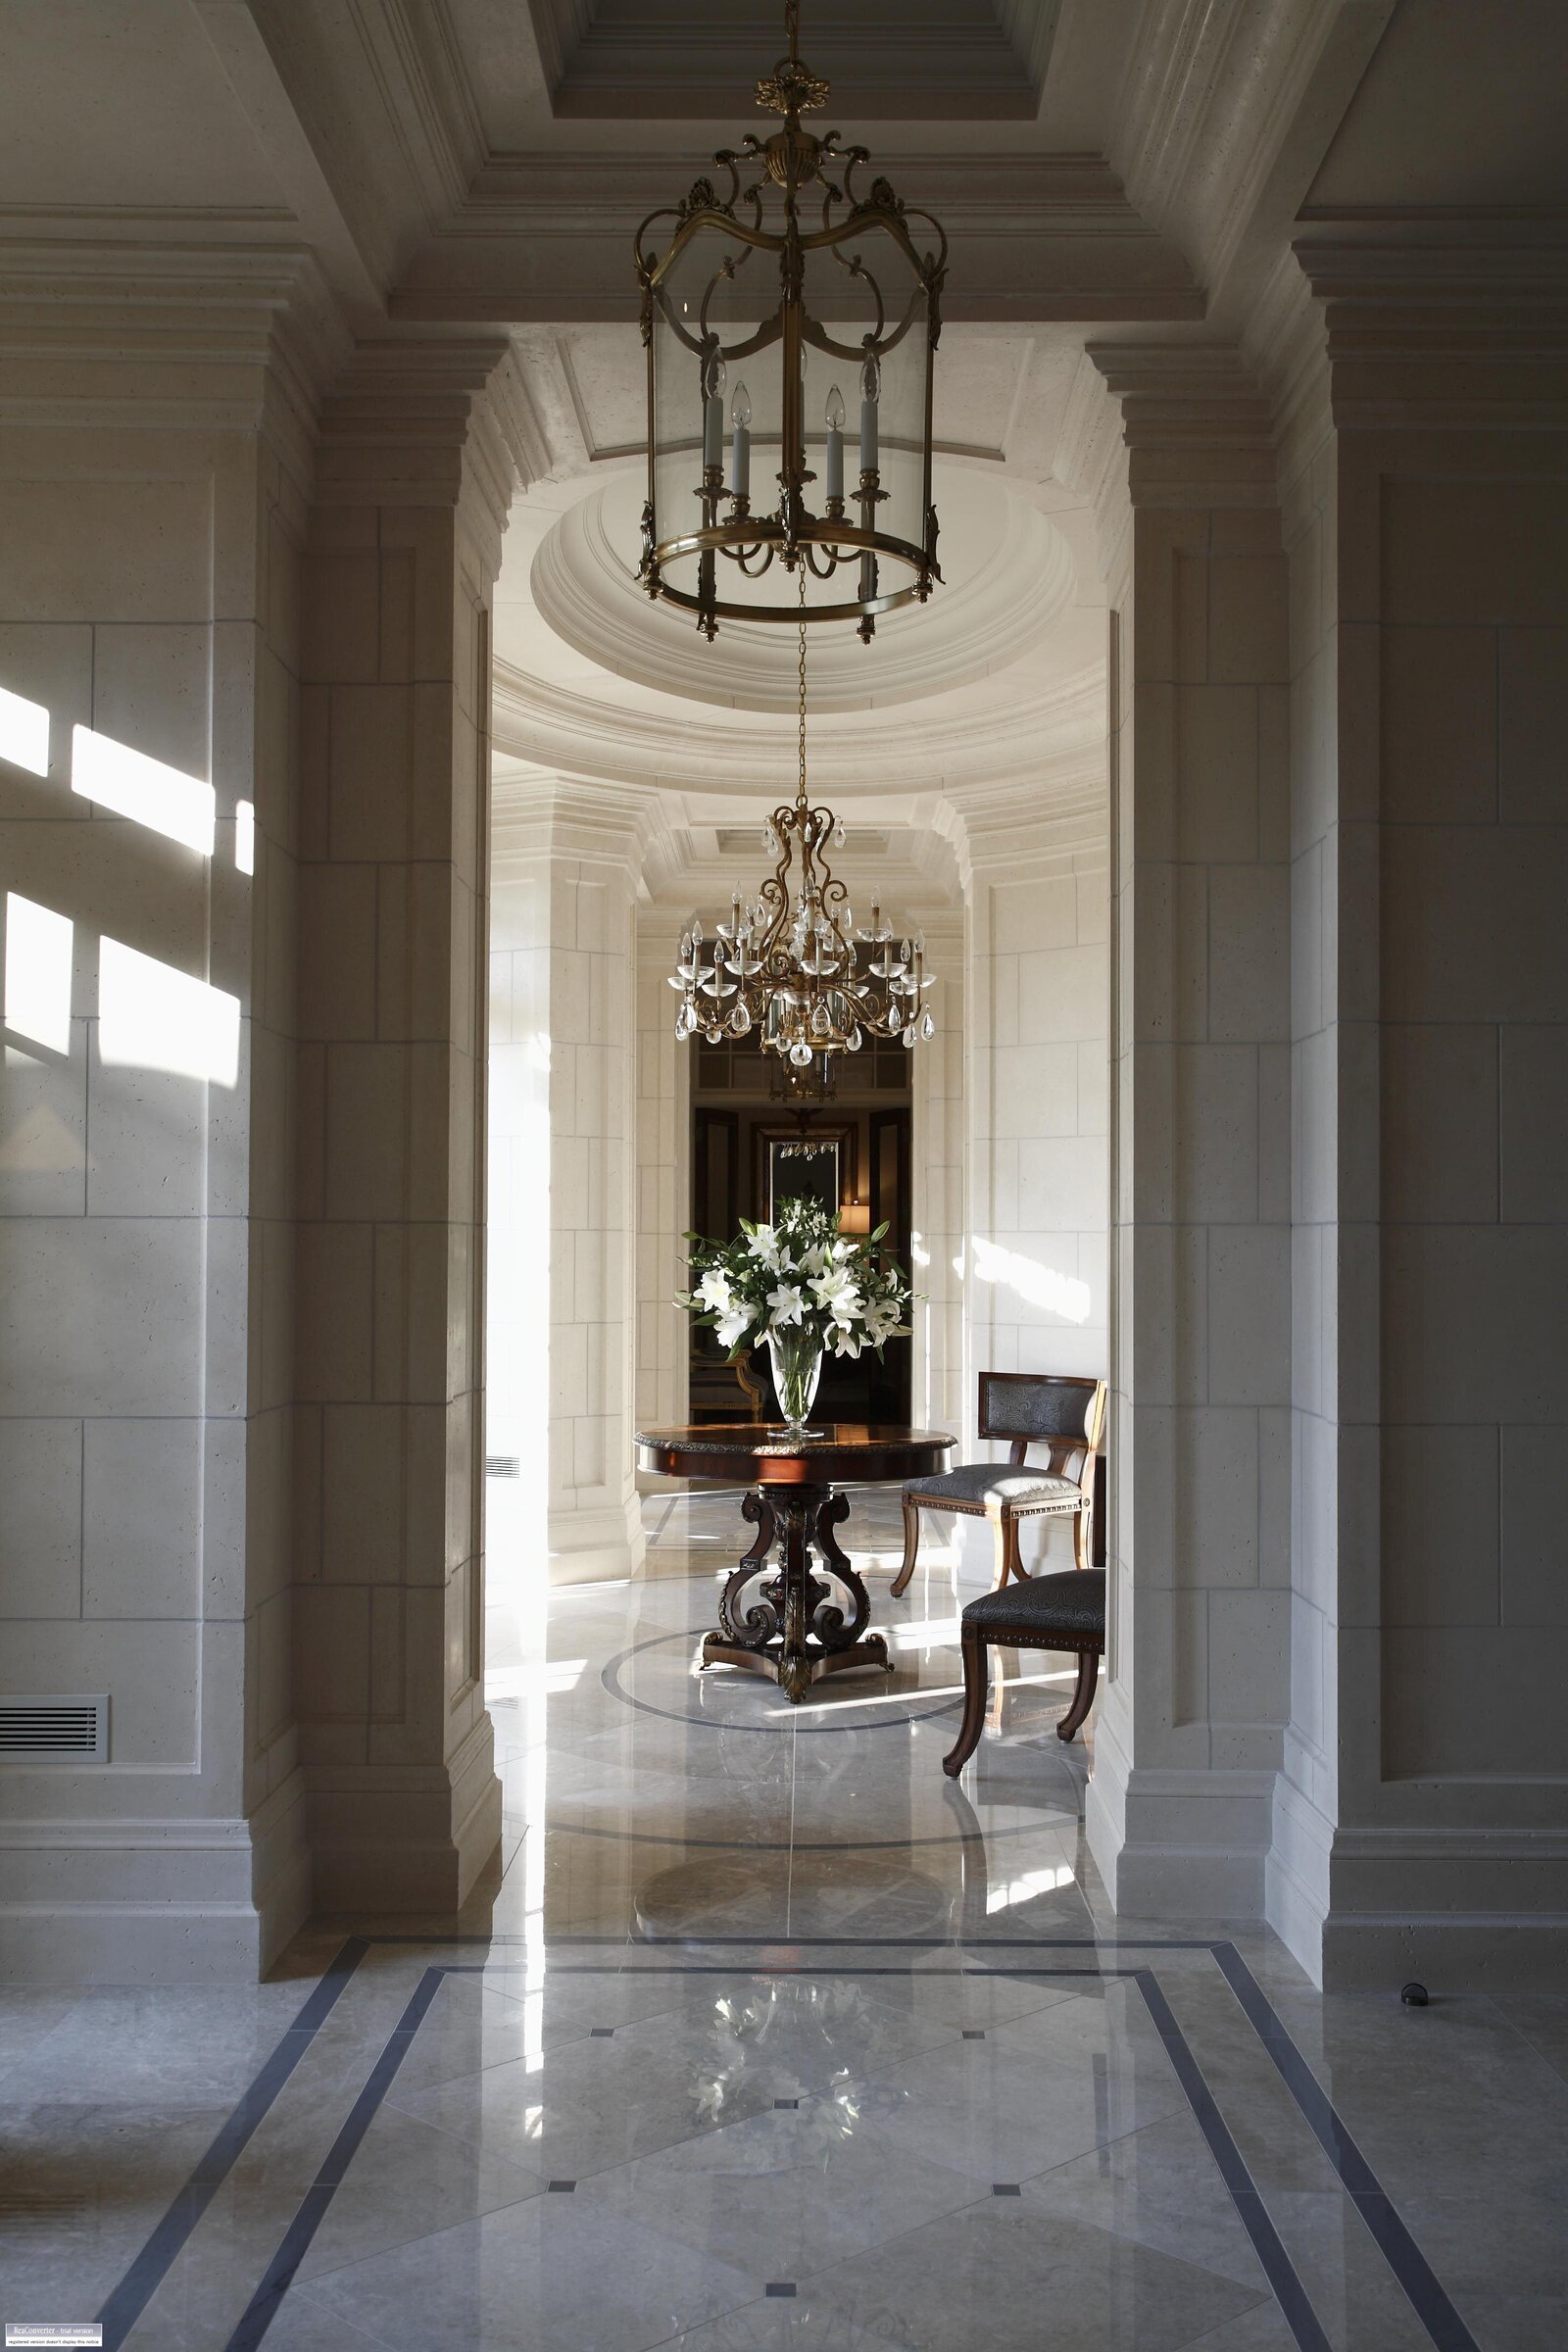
(791, 966)
(856, 303)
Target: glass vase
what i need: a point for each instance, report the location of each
(796, 1360)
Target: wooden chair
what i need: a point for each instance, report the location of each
(1064, 1611)
(1061, 1411)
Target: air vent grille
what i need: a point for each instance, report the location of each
(54, 1730)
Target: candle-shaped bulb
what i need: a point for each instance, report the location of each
(740, 452)
(834, 414)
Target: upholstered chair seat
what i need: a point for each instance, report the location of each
(1070, 1602)
(1066, 1612)
(974, 1485)
(1064, 1413)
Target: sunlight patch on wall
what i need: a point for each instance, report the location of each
(39, 963)
(158, 795)
(1036, 1284)
(151, 1018)
(24, 733)
(245, 836)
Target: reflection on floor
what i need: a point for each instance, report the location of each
(769, 2037)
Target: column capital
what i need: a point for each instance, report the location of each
(1027, 831)
(217, 338)
(538, 813)
(416, 423)
(1169, 424)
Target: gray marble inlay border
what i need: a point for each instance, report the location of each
(1429, 2300)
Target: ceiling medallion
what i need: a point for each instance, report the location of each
(856, 303)
(790, 965)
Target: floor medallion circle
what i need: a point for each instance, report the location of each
(844, 1710)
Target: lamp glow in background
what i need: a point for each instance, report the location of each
(1037, 1284)
(155, 794)
(151, 1017)
(24, 733)
(37, 973)
(245, 836)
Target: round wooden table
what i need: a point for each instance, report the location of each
(789, 1624)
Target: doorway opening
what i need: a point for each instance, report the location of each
(752, 1149)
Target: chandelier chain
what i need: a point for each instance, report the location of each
(800, 797)
(792, 27)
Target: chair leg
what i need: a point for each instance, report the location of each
(1083, 1698)
(1008, 1562)
(975, 1678)
(912, 1545)
(1081, 1527)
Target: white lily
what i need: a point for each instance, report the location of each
(785, 1304)
(713, 1290)
(732, 1326)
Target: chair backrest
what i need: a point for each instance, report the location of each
(1064, 1410)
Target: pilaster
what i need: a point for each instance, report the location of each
(155, 477)
(421, 445)
(1175, 447)
(1424, 460)
(568, 859)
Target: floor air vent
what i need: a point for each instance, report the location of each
(54, 1731)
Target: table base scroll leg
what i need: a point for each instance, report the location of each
(791, 1628)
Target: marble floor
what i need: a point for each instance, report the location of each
(761, 2037)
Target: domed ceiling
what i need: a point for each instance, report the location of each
(985, 705)
(1008, 574)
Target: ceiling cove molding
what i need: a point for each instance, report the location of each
(560, 728)
(378, 94)
(1215, 93)
(585, 591)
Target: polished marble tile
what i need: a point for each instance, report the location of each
(558, 2274)
(784, 2007)
(792, 2191)
(1034, 2276)
(1158, 2187)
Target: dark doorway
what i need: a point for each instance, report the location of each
(852, 1151)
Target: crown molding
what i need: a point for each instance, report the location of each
(1038, 238)
(1226, 110)
(1412, 333)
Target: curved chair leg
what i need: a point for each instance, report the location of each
(1008, 1561)
(912, 1545)
(1083, 1698)
(975, 1678)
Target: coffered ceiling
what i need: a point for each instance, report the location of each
(1107, 162)
(953, 61)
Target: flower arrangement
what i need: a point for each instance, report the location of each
(798, 1278)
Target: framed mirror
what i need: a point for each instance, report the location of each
(816, 1164)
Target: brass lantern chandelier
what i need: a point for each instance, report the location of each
(843, 327)
(791, 967)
